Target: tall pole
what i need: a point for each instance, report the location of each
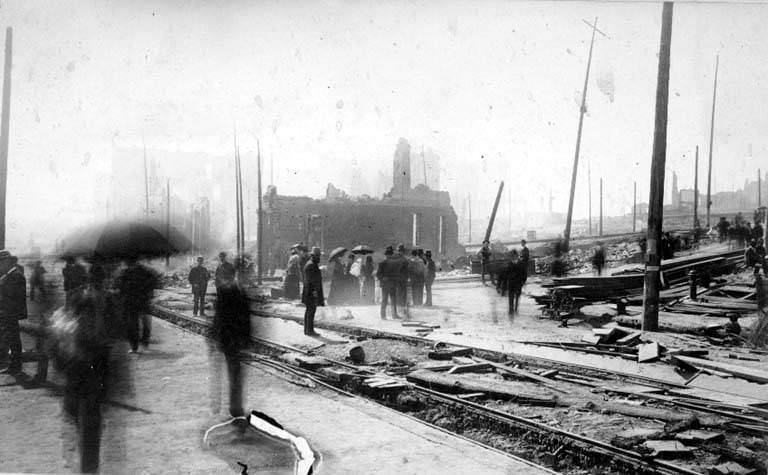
(600, 231)
(759, 194)
(711, 140)
(167, 218)
(656, 200)
(493, 213)
(146, 181)
(582, 111)
(238, 230)
(260, 222)
(589, 195)
(469, 205)
(240, 217)
(696, 188)
(4, 130)
(634, 207)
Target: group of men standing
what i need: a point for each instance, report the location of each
(396, 273)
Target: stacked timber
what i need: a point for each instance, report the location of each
(673, 271)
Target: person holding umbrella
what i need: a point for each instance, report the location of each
(135, 284)
(312, 294)
(336, 269)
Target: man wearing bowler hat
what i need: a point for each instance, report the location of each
(312, 294)
(13, 307)
(199, 277)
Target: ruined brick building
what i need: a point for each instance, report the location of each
(415, 216)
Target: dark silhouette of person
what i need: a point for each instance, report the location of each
(136, 284)
(37, 280)
(198, 278)
(516, 277)
(13, 307)
(312, 293)
(232, 333)
(430, 278)
(75, 278)
(389, 274)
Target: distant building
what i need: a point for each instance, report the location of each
(416, 217)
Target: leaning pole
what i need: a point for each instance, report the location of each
(656, 200)
(4, 130)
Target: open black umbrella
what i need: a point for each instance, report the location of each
(362, 249)
(124, 239)
(336, 252)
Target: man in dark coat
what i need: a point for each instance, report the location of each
(13, 307)
(312, 294)
(431, 271)
(485, 257)
(232, 333)
(225, 272)
(515, 281)
(598, 259)
(37, 280)
(389, 274)
(75, 279)
(525, 255)
(417, 273)
(136, 285)
(198, 278)
(402, 283)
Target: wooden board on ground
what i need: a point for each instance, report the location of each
(523, 373)
(648, 352)
(667, 448)
(744, 372)
(696, 436)
(494, 389)
(469, 368)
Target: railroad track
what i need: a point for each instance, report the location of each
(553, 446)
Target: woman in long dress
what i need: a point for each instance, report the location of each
(292, 276)
(366, 274)
(338, 280)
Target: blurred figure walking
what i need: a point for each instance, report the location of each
(598, 259)
(90, 354)
(75, 279)
(515, 281)
(312, 294)
(13, 307)
(232, 334)
(136, 284)
(225, 273)
(37, 281)
(430, 277)
(485, 257)
(198, 278)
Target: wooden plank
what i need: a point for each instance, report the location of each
(469, 368)
(629, 339)
(667, 448)
(523, 373)
(648, 352)
(448, 353)
(750, 374)
(697, 436)
(461, 384)
(470, 395)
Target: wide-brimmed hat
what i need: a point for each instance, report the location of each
(316, 251)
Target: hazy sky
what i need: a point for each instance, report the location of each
(492, 86)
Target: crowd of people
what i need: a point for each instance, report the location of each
(405, 279)
(511, 279)
(740, 231)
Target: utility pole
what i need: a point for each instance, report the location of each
(146, 180)
(240, 217)
(260, 222)
(600, 231)
(5, 130)
(759, 194)
(168, 219)
(493, 213)
(469, 206)
(238, 229)
(711, 140)
(634, 207)
(589, 194)
(656, 200)
(582, 111)
(696, 189)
